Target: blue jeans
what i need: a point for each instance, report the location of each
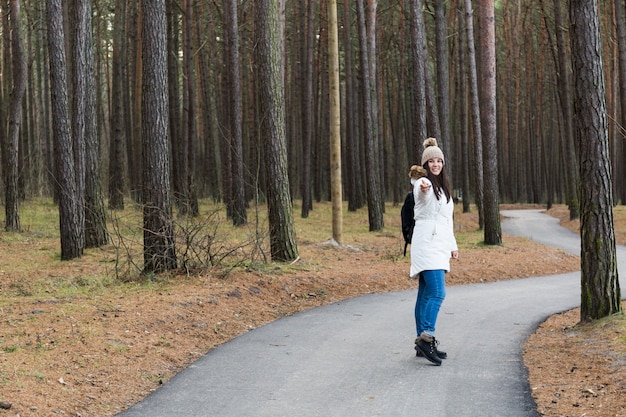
(430, 295)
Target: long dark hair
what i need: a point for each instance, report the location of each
(440, 182)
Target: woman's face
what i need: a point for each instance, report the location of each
(435, 165)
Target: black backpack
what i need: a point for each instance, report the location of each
(408, 222)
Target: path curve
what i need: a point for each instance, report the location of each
(356, 358)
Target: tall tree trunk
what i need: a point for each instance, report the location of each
(307, 108)
(353, 143)
(620, 25)
(432, 112)
(374, 93)
(30, 138)
(475, 111)
(158, 236)
(79, 20)
(321, 144)
(190, 131)
(118, 138)
(272, 129)
(207, 105)
(135, 139)
(565, 96)
(374, 205)
(180, 145)
(335, 123)
(95, 214)
(226, 156)
(463, 110)
(238, 196)
(69, 219)
(179, 173)
(418, 69)
(46, 107)
(15, 117)
(5, 92)
(493, 230)
(443, 96)
(600, 292)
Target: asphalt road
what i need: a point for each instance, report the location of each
(356, 357)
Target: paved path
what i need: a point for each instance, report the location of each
(356, 358)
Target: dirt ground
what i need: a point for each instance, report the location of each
(98, 354)
(579, 369)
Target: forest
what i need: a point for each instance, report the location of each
(148, 114)
(166, 102)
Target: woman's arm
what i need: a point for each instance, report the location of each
(424, 185)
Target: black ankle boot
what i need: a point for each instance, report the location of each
(427, 346)
(440, 353)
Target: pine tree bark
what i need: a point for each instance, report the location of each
(565, 95)
(96, 234)
(620, 27)
(353, 145)
(600, 292)
(189, 108)
(134, 132)
(159, 249)
(238, 197)
(442, 73)
(11, 186)
(335, 123)
(272, 130)
(371, 7)
(475, 112)
(78, 23)
(493, 230)
(179, 174)
(307, 108)
(463, 111)
(208, 112)
(418, 81)
(374, 206)
(117, 142)
(5, 88)
(45, 106)
(72, 242)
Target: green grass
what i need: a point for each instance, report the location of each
(10, 349)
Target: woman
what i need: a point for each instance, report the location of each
(432, 246)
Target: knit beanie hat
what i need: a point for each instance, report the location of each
(431, 150)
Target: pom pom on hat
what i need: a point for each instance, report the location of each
(431, 150)
(430, 142)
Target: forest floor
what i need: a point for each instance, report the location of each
(579, 369)
(85, 350)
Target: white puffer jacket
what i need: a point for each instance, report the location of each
(433, 236)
